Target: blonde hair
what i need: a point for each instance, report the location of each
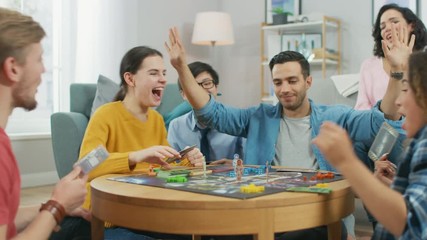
(17, 31)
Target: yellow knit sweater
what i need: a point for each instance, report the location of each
(114, 127)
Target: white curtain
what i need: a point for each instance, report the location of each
(105, 31)
(94, 34)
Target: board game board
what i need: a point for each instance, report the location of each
(224, 183)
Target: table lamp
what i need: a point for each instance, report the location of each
(213, 28)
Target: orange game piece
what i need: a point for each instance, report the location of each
(151, 171)
(330, 175)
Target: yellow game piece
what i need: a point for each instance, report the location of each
(322, 185)
(252, 188)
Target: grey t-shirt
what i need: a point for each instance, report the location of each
(293, 145)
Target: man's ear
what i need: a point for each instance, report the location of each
(129, 79)
(309, 80)
(11, 69)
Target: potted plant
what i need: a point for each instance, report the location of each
(280, 16)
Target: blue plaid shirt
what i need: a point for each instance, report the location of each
(411, 181)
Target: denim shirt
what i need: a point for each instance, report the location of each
(260, 126)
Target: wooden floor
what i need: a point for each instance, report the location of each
(363, 227)
(38, 195)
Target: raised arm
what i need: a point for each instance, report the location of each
(398, 57)
(387, 205)
(196, 96)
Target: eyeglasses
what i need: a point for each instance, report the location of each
(207, 84)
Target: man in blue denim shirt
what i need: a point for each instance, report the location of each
(272, 131)
(261, 125)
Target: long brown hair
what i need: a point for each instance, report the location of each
(131, 62)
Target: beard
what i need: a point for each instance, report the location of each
(24, 101)
(296, 104)
(27, 104)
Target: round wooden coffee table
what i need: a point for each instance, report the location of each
(180, 212)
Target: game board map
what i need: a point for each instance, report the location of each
(224, 183)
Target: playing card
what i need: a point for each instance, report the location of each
(92, 159)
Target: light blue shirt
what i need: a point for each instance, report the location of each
(184, 131)
(260, 126)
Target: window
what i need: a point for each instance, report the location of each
(38, 120)
(74, 51)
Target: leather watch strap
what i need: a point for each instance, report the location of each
(55, 208)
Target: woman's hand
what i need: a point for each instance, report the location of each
(385, 170)
(154, 155)
(398, 53)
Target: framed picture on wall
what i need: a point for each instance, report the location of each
(377, 4)
(291, 6)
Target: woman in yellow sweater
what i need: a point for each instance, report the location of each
(132, 132)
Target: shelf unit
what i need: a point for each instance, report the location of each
(325, 57)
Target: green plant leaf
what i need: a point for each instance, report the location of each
(280, 10)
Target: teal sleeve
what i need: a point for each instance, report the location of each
(179, 110)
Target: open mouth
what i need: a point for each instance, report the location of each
(157, 92)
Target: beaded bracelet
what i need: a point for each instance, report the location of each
(56, 209)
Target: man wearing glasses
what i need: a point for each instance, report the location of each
(186, 130)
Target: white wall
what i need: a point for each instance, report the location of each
(35, 159)
(238, 64)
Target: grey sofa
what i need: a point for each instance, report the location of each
(68, 128)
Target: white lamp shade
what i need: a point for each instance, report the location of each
(213, 28)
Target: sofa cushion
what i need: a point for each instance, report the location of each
(81, 97)
(105, 91)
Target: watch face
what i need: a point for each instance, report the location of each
(397, 75)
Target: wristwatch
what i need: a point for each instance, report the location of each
(396, 75)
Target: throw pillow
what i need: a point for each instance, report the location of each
(106, 89)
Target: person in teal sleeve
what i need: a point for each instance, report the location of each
(283, 133)
(186, 130)
(178, 111)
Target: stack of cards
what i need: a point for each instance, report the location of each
(182, 153)
(92, 159)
